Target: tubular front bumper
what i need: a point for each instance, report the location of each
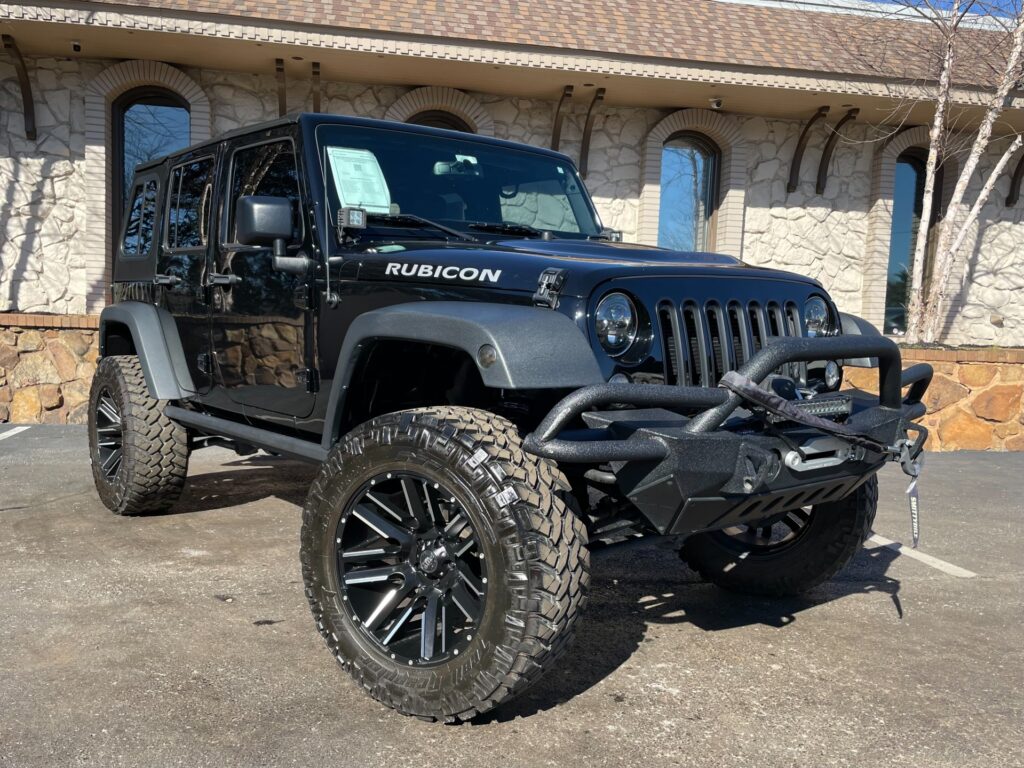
(693, 458)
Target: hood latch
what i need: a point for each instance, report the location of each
(549, 285)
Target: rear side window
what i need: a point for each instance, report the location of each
(266, 169)
(188, 207)
(138, 230)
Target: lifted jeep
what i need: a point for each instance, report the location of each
(491, 385)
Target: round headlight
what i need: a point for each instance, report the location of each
(833, 375)
(616, 324)
(817, 317)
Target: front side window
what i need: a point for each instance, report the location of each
(138, 232)
(907, 205)
(689, 193)
(470, 186)
(188, 208)
(267, 170)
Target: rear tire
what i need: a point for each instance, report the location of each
(770, 565)
(139, 456)
(371, 576)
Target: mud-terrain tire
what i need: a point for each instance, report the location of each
(830, 537)
(148, 475)
(533, 560)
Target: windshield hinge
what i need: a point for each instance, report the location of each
(549, 285)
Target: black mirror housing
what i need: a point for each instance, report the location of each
(263, 220)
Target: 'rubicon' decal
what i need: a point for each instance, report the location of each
(468, 274)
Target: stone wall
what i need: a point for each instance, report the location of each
(45, 374)
(974, 401)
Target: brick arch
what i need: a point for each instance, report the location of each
(460, 104)
(723, 130)
(99, 97)
(883, 178)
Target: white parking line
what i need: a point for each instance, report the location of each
(12, 432)
(934, 562)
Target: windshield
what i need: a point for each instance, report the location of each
(469, 186)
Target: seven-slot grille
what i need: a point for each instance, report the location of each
(704, 340)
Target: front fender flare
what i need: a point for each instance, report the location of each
(155, 337)
(536, 348)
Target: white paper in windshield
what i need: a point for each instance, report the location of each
(358, 179)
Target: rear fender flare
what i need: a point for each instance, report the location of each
(155, 338)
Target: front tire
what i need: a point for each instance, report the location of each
(788, 555)
(443, 566)
(139, 456)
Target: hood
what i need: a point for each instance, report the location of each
(516, 264)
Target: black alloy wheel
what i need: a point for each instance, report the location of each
(109, 434)
(790, 553)
(411, 570)
(769, 536)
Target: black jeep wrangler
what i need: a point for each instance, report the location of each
(491, 385)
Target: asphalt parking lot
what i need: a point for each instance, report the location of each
(186, 640)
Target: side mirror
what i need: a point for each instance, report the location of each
(612, 235)
(265, 221)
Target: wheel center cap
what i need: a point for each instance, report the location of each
(429, 562)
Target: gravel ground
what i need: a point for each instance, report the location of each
(186, 640)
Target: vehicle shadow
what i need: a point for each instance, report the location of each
(635, 589)
(244, 480)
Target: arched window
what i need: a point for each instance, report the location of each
(147, 123)
(690, 166)
(439, 118)
(907, 204)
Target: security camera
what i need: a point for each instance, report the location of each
(716, 103)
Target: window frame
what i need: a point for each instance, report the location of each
(714, 180)
(454, 121)
(917, 157)
(172, 193)
(227, 214)
(118, 108)
(141, 181)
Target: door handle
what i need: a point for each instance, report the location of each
(225, 280)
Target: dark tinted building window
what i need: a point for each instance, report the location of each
(268, 170)
(188, 214)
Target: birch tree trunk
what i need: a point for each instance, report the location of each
(952, 233)
(917, 309)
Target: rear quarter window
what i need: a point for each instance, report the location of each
(139, 227)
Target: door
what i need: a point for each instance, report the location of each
(259, 325)
(181, 266)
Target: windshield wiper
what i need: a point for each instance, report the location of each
(412, 220)
(507, 228)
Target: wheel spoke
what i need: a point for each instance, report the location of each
(109, 410)
(465, 602)
(414, 503)
(391, 598)
(370, 575)
(766, 533)
(793, 521)
(369, 553)
(399, 623)
(470, 578)
(386, 506)
(456, 525)
(380, 525)
(428, 627)
(111, 461)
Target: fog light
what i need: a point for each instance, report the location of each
(833, 374)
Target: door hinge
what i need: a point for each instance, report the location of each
(310, 377)
(549, 285)
(204, 362)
